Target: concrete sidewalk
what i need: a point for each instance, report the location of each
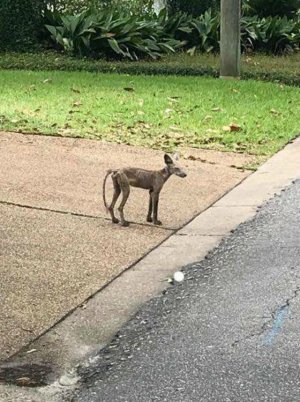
(57, 245)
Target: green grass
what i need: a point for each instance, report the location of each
(157, 112)
(285, 69)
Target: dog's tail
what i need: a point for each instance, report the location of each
(103, 188)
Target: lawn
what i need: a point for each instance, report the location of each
(158, 112)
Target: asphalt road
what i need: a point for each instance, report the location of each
(229, 332)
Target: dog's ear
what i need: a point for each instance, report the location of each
(168, 159)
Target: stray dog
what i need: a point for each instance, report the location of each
(152, 180)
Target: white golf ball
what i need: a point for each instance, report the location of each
(178, 276)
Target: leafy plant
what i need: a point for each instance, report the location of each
(112, 34)
(74, 32)
(207, 28)
(272, 35)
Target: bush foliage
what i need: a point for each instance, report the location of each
(193, 7)
(20, 23)
(267, 8)
(77, 6)
(110, 34)
(96, 28)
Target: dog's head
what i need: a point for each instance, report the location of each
(173, 168)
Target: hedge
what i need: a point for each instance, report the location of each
(55, 61)
(20, 22)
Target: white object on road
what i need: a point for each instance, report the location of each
(178, 276)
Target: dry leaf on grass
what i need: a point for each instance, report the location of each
(275, 112)
(232, 127)
(77, 103)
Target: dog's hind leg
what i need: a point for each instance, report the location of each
(117, 191)
(125, 188)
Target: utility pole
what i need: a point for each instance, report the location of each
(230, 45)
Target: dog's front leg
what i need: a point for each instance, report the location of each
(155, 199)
(149, 216)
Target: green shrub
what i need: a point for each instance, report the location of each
(20, 22)
(266, 8)
(77, 6)
(192, 7)
(201, 33)
(271, 35)
(207, 30)
(109, 34)
(113, 35)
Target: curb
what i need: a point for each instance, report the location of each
(91, 326)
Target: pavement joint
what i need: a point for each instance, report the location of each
(56, 211)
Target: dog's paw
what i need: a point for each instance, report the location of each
(159, 223)
(115, 220)
(125, 224)
(149, 219)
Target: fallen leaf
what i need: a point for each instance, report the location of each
(175, 128)
(129, 89)
(47, 81)
(226, 128)
(275, 112)
(232, 127)
(235, 127)
(77, 103)
(77, 91)
(140, 112)
(27, 330)
(216, 109)
(25, 381)
(173, 100)
(208, 117)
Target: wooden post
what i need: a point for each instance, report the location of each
(230, 45)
